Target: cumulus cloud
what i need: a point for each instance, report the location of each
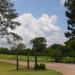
(44, 26)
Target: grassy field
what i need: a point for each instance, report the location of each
(9, 69)
(40, 58)
(24, 58)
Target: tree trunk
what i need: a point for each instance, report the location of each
(17, 63)
(35, 60)
(27, 60)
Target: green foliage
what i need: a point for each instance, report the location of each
(70, 13)
(69, 59)
(56, 51)
(36, 67)
(21, 46)
(39, 44)
(7, 14)
(4, 50)
(70, 46)
(40, 67)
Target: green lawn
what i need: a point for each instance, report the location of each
(24, 58)
(9, 69)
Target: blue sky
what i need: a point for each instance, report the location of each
(39, 7)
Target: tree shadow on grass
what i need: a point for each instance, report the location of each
(25, 69)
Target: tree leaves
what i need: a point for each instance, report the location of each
(70, 13)
(7, 14)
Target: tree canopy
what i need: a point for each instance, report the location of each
(7, 14)
(39, 44)
(70, 14)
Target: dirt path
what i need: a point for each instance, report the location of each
(66, 69)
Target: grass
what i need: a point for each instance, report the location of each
(9, 69)
(24, 58)
(40, 58)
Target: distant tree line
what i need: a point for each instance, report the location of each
(55, 50)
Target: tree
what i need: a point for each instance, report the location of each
(39, 44)
(70, 45)
(16, 43)
(56, 51)
(20, 46)
(4, 50)
(28, 53)
(7, 14)
(70, 13)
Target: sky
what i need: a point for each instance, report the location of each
(41, 18)
(39, 7)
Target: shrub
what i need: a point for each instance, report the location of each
(40, 67)
(36, 66)
(69, 59)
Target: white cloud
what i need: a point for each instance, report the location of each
(3, 42)
(62, 1)
(45, 26)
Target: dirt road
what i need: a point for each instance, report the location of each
(65, 69)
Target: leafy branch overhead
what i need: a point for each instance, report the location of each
(70, 13)
(7, 16)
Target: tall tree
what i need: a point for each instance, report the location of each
(7, 14)
(39, 44)
(70, 45)
(28, 53)
(56, 51)
(70, 13)
(15, 41)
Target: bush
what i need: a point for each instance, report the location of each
(36, 66)
(69, 59)
(40, 67)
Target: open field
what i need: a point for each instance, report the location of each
(65, 69)
(40, 58)
(24, 58)
(9, 69)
